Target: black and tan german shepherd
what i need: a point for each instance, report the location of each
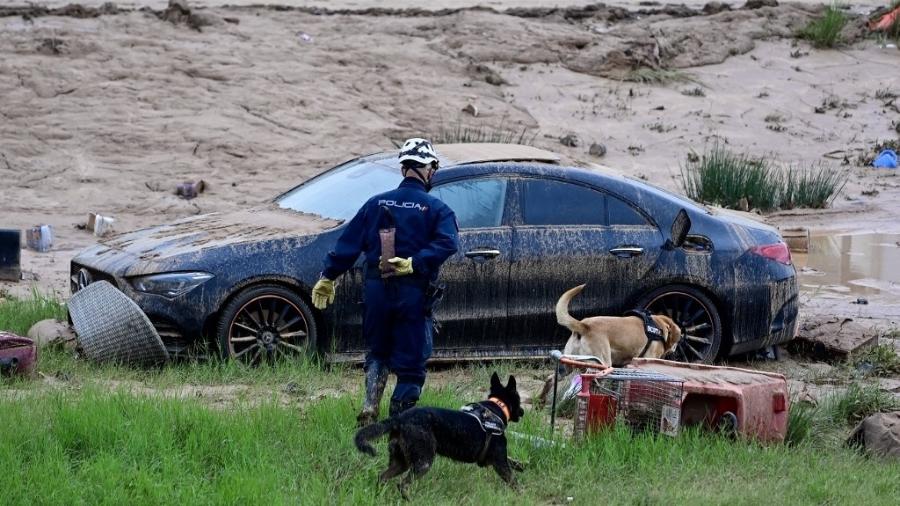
(417, 435)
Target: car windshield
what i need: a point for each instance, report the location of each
(340, 192)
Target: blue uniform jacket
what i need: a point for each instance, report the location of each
(426, 230)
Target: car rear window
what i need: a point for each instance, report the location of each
(621, 213)
(548, 202)
(477, 203)
(340, 192)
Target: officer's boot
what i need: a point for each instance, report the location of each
(398, 407)
(376, 379)
(406, 395)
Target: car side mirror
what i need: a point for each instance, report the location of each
(680, 228)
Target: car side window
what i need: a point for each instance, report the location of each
(477, 203)
(548, 202)
(621, 213)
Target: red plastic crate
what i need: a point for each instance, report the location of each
(753, 404)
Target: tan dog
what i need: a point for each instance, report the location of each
(613, 339)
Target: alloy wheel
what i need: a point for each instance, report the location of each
(699, 326)
(266, 328)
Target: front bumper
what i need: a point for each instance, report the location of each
(179, 322)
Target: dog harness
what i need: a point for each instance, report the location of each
(490, 422)
(651, 329)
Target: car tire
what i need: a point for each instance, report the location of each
(695, 313)
(266, 322)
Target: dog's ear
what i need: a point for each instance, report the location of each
(495, 382)
(511, 384)
(674, 333)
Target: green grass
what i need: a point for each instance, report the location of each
(87, 441)
(739, 181)
(883, 359)
(93, 447)
(814, 187)
(648, 75)
(724, 178)
(825, 32)
(18, 315)
(858, 402)
(801, 424)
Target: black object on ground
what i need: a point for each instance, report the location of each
(10, 255)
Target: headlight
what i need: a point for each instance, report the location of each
(170, 285)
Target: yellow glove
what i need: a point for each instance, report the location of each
(402, 266)
(323, 293)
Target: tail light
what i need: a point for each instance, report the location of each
(778, 252)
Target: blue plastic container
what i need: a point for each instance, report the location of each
(887, 159)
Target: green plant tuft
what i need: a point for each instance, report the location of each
(857, 403)
(825, 32)
(738, 181)
(649, 75)
(813, 188)
(801, 424)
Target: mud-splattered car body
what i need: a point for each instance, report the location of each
(529, 230)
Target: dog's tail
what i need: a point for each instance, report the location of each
(370, 432)
(562, 312)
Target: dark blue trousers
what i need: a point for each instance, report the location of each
(398, 334)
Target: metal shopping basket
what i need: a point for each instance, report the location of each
(641, 400)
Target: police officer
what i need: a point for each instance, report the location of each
(422, 232)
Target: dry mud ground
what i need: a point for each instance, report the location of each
(106, 110)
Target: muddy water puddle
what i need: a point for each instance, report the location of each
(851, 264)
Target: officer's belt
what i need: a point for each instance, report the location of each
(374, 272)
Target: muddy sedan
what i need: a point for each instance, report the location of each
(530, 228)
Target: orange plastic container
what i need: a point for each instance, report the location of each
(749, 403)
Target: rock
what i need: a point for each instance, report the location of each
(597, 149)
(486, 74)
(178, 12)
(758, 4)
(889, 385)
(570, 140)
(51, 332)
(878, 434)
(471, 109)
(715, 7)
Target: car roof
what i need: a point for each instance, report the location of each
(484, 152)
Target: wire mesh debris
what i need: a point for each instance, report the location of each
(640, 400)
(110, 327)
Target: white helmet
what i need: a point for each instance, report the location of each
(418, 150)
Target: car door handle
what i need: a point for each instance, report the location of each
(627, 251)
(483, 253)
